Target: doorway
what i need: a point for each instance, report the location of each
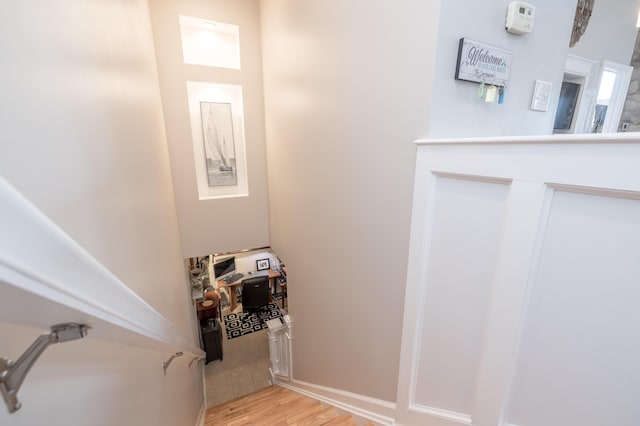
(244, 365)
(592, 96)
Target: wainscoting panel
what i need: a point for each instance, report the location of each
(467, 216)
(580, 346)
(522, 283)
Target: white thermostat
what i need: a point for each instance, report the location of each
(520, 17)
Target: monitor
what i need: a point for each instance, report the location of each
(224, 267)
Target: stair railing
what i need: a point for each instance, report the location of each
(280, 354)
(43, 268)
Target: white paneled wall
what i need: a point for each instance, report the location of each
(461, 259)
(580, 346)
(522, 295)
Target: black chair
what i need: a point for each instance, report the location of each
(255, 293)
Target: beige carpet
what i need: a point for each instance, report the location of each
(244, 368)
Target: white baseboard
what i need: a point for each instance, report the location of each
(376, 410)
(201, 416)
(453, 416)
(203, 409)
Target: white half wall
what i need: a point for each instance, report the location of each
(521, 301)
(83, 140)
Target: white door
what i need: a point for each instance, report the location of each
(614, 79)
(522, 284)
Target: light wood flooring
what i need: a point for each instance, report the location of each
(275, 406)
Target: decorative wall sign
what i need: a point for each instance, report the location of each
(483, 63)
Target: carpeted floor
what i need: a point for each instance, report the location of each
(240, 323)
(245, 368)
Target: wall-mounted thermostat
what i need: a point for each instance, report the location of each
(520, 17)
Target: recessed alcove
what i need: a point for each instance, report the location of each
(209, 43)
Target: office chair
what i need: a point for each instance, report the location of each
(255, 293)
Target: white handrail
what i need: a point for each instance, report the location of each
(578, 138)
(42, 269)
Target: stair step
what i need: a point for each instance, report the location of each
(276, 406)
(311, 411)
(254, 402)
(277, 414)
(343, 420)
(320, 418)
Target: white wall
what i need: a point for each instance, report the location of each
(539, 55)
(246, 262)
(83, 139)
(347, 89)
(611, 33)
(222, 225)
(97, 383)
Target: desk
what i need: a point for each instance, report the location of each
(233, 300)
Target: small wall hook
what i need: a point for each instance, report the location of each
(166, 364)
(197, 358)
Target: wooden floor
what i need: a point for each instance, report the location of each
(275, 406)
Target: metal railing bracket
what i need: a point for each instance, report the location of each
(13, 373)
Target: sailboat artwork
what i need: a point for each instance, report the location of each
(219, 145)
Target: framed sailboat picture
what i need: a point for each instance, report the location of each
(219, 145)
(216, 113)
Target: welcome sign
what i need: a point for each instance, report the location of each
(479, 62)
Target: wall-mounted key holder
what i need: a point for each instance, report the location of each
(485, 64)
(479, 62)
(492, 94)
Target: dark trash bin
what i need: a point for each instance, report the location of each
(211, 338)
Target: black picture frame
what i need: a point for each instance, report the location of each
(262, 264)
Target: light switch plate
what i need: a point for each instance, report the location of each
(541, 96)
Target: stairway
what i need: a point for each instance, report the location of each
(275, 406)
